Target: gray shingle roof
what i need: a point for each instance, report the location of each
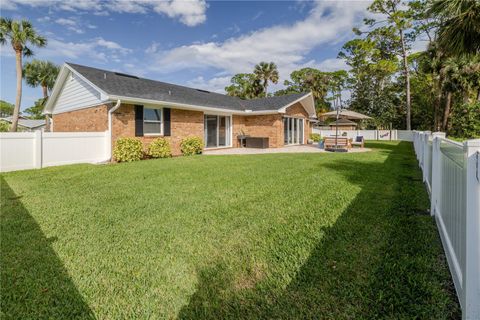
(27, 123)
(119, 84)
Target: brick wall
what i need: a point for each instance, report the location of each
(297, 110)
(93, 119)
(238, 128)
(269, 126)
(184, 123)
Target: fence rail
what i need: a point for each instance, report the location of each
(451, 175)
(404, 135)
(30, 150)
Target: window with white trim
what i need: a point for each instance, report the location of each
(152, 121)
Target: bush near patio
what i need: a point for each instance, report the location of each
(159, 148)
(282, 236)
(191, 146)
(128, 150)
(315, 137)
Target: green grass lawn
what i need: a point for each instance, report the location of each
(283, 236)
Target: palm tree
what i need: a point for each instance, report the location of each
(459, 29)
(41, 73)
(19, 34)
(266, 72)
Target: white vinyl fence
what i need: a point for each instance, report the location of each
(451, 171)
(29, 150)
(403, 135)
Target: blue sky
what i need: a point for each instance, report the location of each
(194, 43)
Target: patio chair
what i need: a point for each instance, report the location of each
(359, 141)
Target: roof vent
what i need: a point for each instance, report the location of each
(126, 75)
(204, 91)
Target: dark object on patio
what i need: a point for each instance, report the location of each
(257, 142)
(359, 141)
(242, 139)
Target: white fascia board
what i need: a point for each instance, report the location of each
(188, 106)
(308, 100)
(102, 93)
(62, 75)
(59, 82)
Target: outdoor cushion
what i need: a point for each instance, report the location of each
(359, 139)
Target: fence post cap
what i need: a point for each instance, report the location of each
(439, 134)
(472, 143)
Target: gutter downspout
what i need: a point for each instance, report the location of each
(109, 133)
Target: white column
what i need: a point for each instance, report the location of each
(471, 277)
(37, 147)
(426, 137)
(436, 170)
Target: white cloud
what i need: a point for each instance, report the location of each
(216, 84)
(329, 65)
(66, 22)
(97, 49)
(287, 45)
(188, 12)
(72, 24)
(153, 48)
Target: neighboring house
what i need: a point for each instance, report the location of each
(25, 124)
(90, 99)
(343, 124)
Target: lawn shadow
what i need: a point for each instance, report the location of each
(389, 266)
(34, 281)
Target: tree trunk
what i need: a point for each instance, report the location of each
(45, 91)
(446, 112)
(18, 100)
(407, 79)
(47, 123)
(47, 117)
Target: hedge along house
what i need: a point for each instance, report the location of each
(87, 99)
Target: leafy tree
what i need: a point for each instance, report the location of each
(265, 72)
(4, 126)
(6, 109)
(466, 121)
(309, 80)
(336, 84)
(394, 33)
(41, 73)
(35, 111)
(372, 70)
(245, 86)
(20, 34)
(459, 27)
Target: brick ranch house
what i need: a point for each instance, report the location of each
(86, 99)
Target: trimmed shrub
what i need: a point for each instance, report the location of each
(128, 150)
(159, 148)
(315, 137)
(191, 146)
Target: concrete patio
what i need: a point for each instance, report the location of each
(309, 148)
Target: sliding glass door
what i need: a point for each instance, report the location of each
(217, 131)
(292, 131)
